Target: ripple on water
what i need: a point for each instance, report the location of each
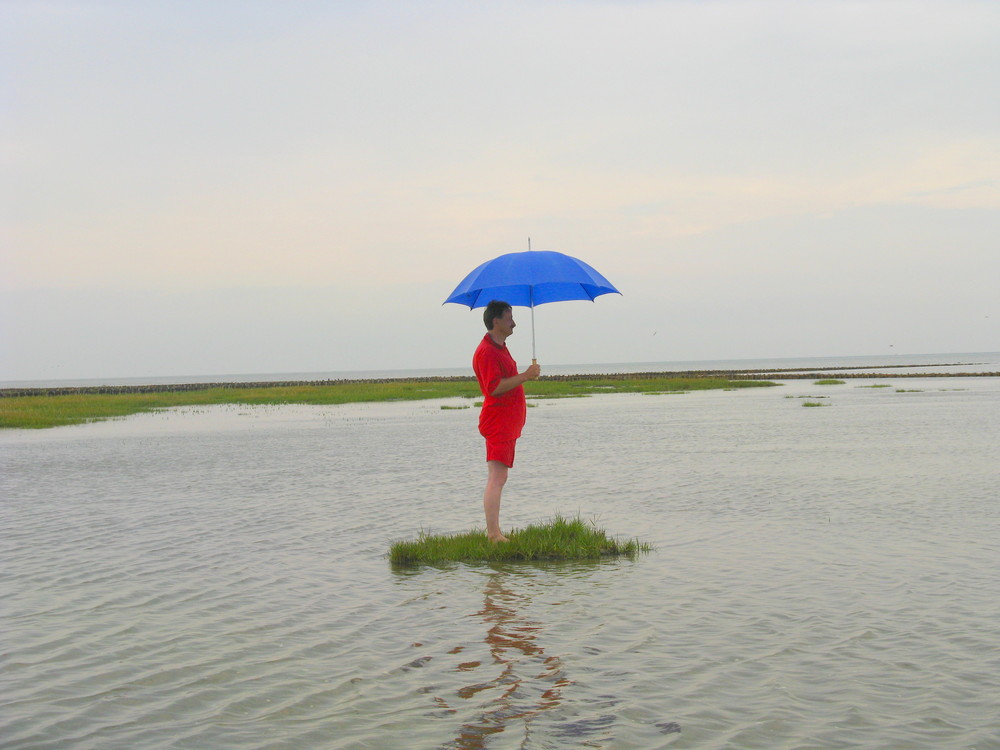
(216, 578)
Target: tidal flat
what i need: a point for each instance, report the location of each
(22, 408)
(216, 576)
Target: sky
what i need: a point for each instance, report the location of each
(226, 187)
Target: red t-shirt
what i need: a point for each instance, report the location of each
(502, 416)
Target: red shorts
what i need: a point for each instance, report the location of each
(501, 450)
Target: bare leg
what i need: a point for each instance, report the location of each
(491, 500)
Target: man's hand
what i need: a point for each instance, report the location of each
(515, 380)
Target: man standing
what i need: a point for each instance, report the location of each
(503, 413)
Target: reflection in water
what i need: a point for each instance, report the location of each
(529, 681)
(157, 592)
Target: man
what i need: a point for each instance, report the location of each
(503, 413)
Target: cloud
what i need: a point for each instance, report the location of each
(185, 149)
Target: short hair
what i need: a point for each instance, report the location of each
(495, 309)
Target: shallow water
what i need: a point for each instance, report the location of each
(216, 577)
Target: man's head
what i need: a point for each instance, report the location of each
(499, 317)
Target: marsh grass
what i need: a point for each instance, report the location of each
(537, 396)
(35, 412)
(77, 408)
(560, 539)
(813, 403)
(876, 385)
(830, 381)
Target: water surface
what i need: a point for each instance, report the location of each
(216, 577)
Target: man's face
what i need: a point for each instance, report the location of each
(505, 324)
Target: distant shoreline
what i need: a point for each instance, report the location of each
(795, 373)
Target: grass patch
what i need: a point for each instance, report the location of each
(446, 406)
(876, 385)
(813, 403)
(909, 390)
(587, 386)
(807, 397)
(560, 539)
(530, 396)
(35, 412)
(830, 381)
(78, 408)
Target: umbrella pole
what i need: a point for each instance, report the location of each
(534, 361)
(531, 299)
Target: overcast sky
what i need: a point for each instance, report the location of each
(258, 187)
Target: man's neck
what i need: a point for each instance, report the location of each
(498, 338)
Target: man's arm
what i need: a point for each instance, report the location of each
(509, 384)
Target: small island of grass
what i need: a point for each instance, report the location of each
(560, 539)
(829, 381)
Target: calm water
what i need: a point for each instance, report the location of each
(215, 577)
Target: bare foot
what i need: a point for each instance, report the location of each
(498, 538)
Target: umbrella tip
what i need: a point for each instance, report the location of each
(529, 244)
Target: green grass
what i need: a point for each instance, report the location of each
(560, 539)
(35, 412)
(590, 386)
(557, 395)
(813, 403)
(876, 385)
(829, 381)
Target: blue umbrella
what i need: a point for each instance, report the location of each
(528, 279)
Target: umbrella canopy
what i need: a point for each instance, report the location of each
(530, 279)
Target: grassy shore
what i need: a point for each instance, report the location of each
(561, 539)
(39, 411)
